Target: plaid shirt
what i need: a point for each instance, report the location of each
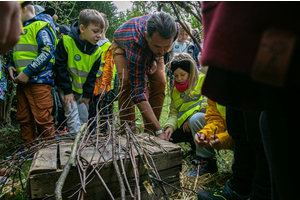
(131, 37)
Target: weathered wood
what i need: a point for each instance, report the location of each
(95, 189)
(45, 160)
(64, 153)
(167, 160)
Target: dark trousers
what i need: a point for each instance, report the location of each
(250, 168)
(281, 137)
(180, 136)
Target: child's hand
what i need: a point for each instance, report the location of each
(22, 78)
(215, 142)
(186, 126)
(85, 101)
(69, 98)
(169, 132)
(11, 71)
(200, 139)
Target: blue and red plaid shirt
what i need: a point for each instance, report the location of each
(131, 37)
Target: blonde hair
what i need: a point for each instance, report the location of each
(194, 73)
(187, 25)
(91, 16)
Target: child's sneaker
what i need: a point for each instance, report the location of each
(224, 193)
(203, 167)
(61, 133)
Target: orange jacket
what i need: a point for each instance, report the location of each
(215, 120)
(104, 81)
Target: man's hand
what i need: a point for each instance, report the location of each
(152, 69)
(22, 78)
(186, 126)
(163, 136)
(85, 101)
(169, 132)
(200, 139)
(69, 98)
(10, 24)
(215, 142)
(11, 71)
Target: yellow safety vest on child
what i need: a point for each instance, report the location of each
(79, 65)
(186, 107)
(26, 50)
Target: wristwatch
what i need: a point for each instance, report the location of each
(158, 132)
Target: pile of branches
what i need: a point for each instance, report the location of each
(87, 137)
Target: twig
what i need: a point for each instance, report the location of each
(59, 184)
(122, 187)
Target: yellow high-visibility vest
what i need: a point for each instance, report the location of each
(79, 64)
(190, 104)
(26, 50)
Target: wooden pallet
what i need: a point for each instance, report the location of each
(49, 162)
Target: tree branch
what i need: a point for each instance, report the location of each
(60, 182)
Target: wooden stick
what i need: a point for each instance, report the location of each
(122, 186)
(60, 183)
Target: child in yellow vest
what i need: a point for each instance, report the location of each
(77, 61)
(188, 106)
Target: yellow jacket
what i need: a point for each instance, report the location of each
(215, 120)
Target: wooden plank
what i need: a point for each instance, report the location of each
(167, 164)
(91, 154)
(64, 147)
(45, 160)
(168, 146)
(95, 189)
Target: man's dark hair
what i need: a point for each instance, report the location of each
(163, 23)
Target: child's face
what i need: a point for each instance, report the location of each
(92, 33)
(181, 75)
(183, 36)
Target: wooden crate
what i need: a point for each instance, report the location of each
(50, 161)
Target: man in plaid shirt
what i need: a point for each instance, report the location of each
(138, 48)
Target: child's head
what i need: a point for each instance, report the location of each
(91, 25)
(106, 24)
(183, 35)
(184, 69)
(27, 12)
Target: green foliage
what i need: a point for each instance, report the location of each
(68, 12)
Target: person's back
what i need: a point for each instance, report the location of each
(78, 58)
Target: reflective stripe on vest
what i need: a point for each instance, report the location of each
(104, 49)
(190, 104)
(79, 64)
(113, 78)
(26, 50)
